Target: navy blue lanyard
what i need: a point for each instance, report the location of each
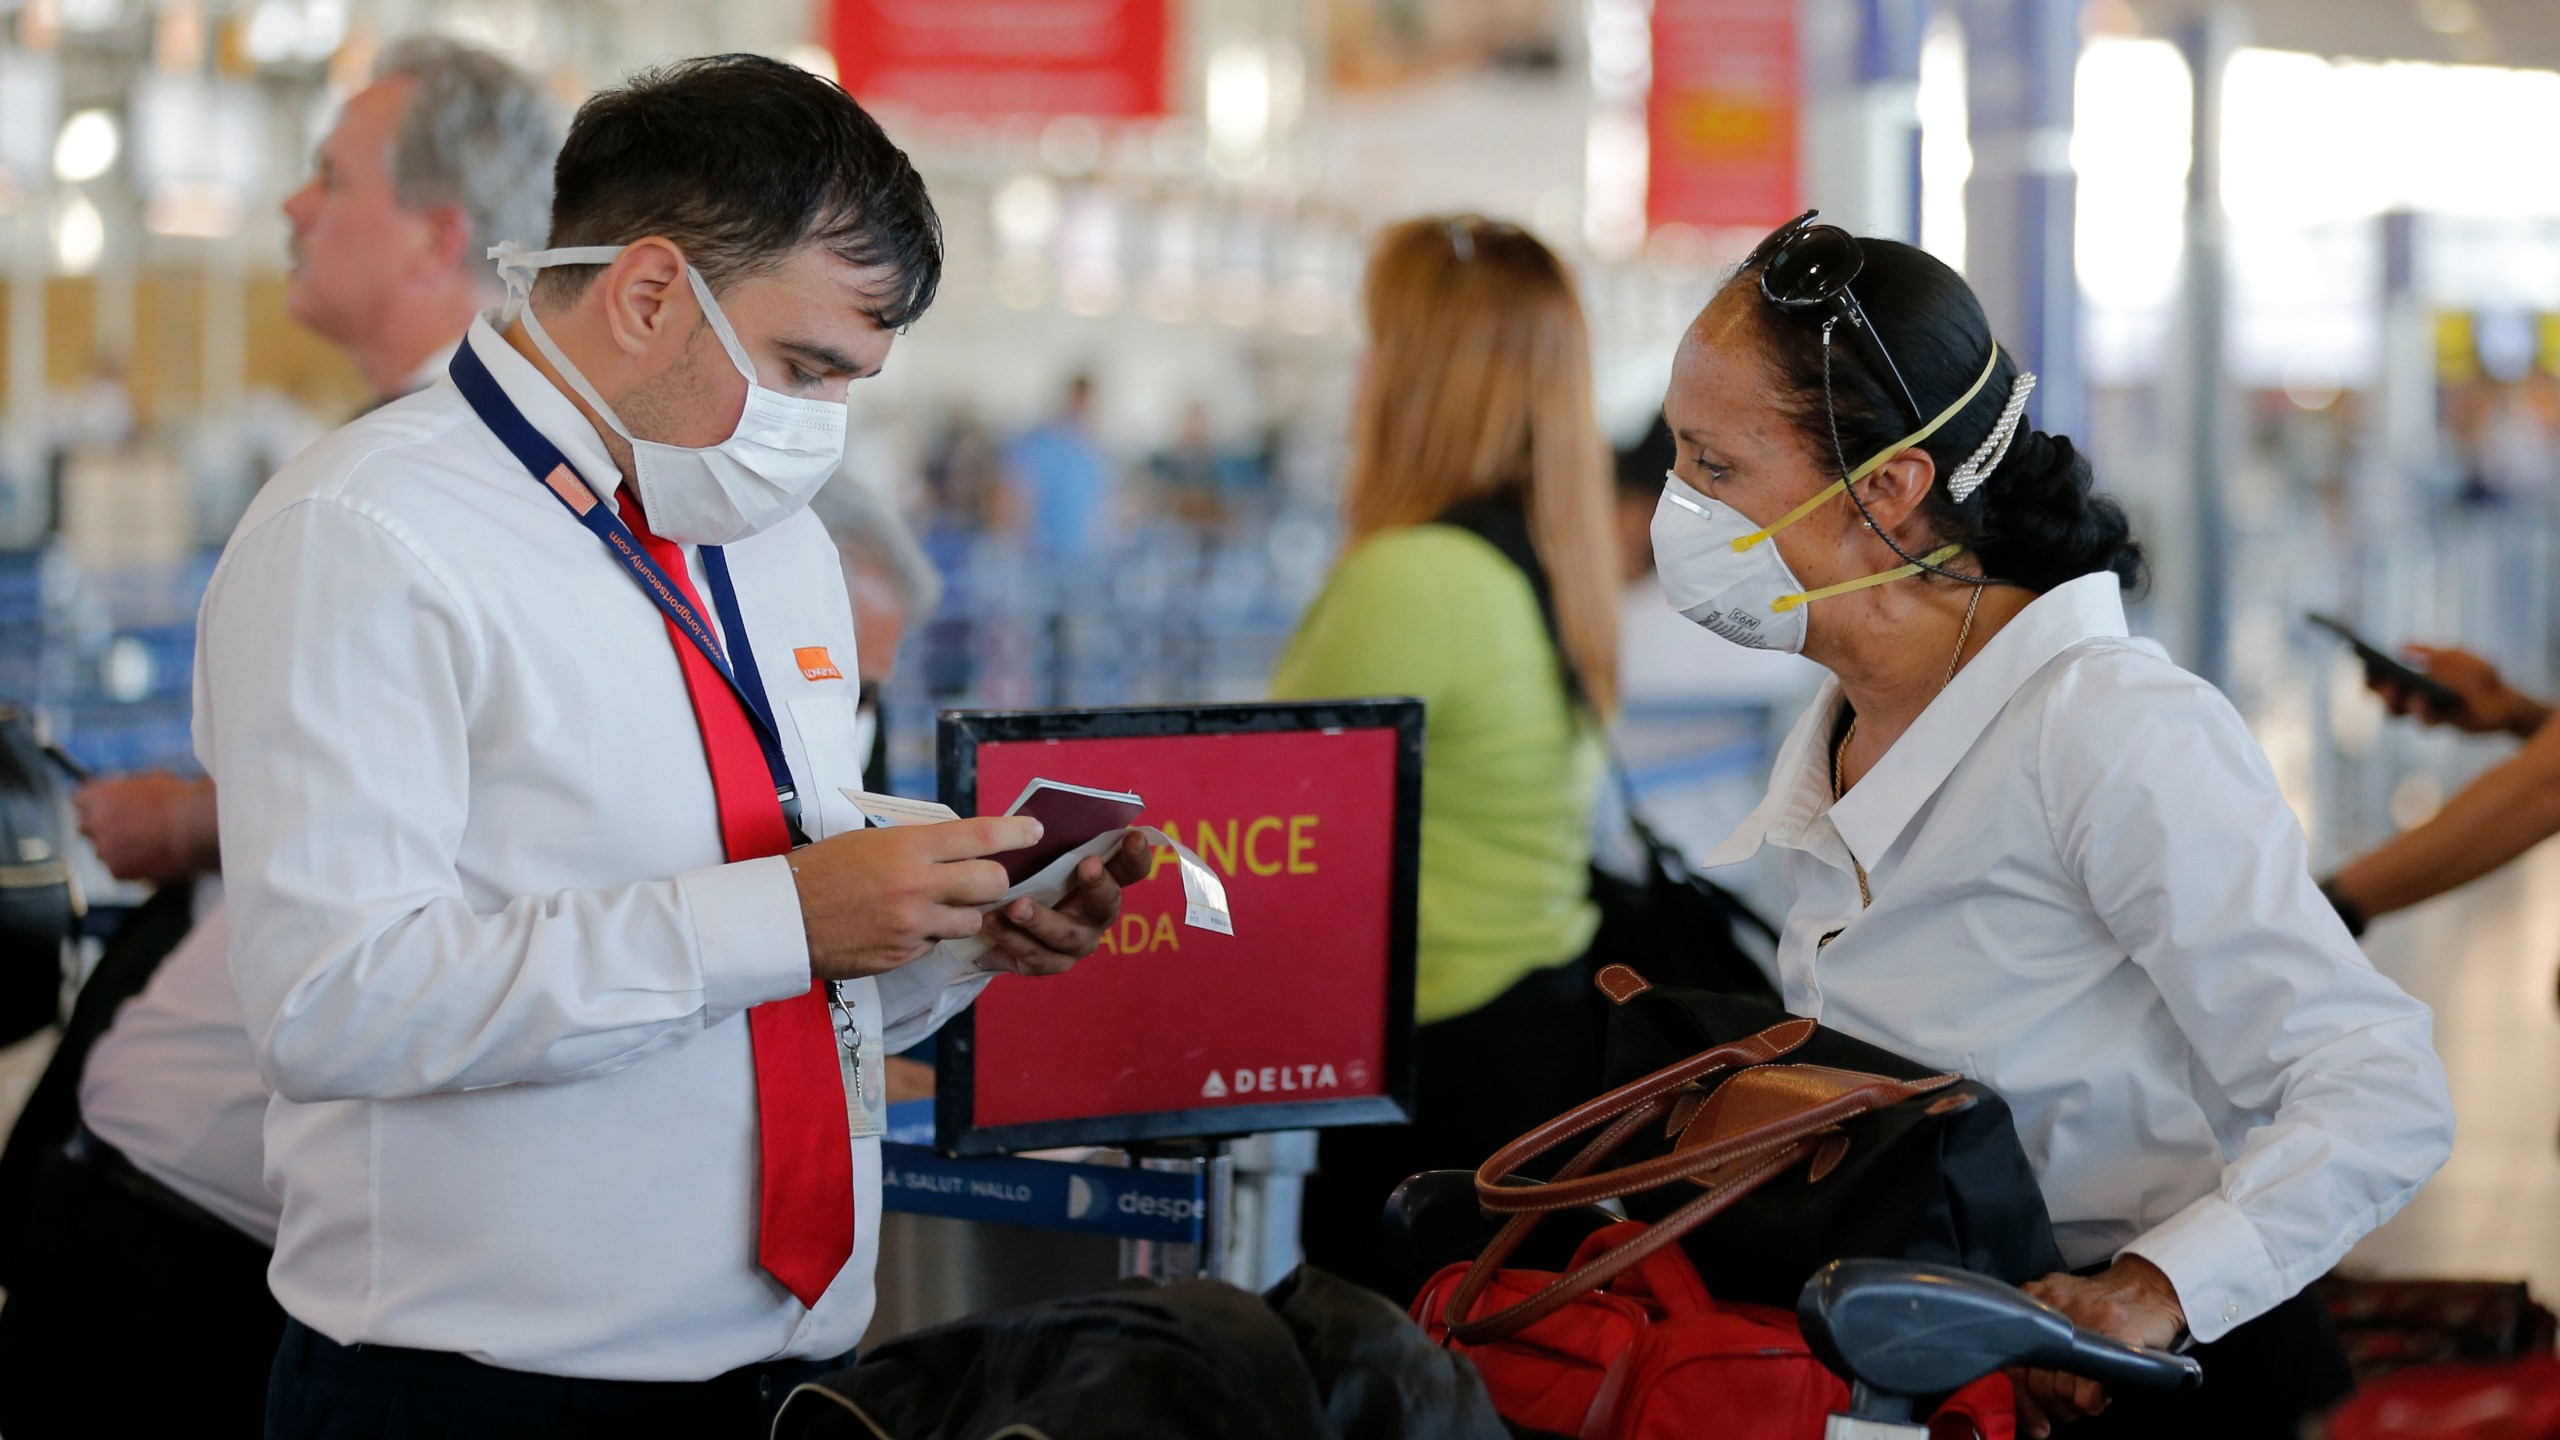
(545, 463)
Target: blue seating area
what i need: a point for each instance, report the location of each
(107, 656)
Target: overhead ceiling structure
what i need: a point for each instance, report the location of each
(2524, 33)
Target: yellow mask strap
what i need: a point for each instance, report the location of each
(1785, 603)
(1876, 461)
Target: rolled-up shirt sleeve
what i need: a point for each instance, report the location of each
(334, 696)
(2176, 826)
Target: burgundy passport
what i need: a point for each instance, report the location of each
(1070, 817)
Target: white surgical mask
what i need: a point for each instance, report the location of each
(1724, 573)
(783, 449)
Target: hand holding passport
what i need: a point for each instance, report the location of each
(1076, 821)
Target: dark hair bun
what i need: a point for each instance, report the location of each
(2037, 520)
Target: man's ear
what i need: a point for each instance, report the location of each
(637, 290)
(448, 238)
(1895, 492)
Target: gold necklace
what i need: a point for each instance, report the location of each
(1840, 752)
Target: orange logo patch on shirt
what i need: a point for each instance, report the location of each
(814, 664)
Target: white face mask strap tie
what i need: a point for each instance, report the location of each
(1877, 461)
(517, 265)
(780, 449)
(720, 324)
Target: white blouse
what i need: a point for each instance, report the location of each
(2090, 896)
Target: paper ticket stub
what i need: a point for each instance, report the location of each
(886, 810)
(1204, 895)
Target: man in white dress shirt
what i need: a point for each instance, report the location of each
(161, 1186)
(517, 691)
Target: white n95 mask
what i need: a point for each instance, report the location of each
(1731, 590)
(1720, 571)
(783, 449)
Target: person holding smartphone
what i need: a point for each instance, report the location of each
(2508, 809)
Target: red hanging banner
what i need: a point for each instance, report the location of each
(1105, 58)
(1721, 117)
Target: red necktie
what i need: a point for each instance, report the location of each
(804, 1214)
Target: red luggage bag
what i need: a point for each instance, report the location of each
(1626, 1343)
(1652, 1356)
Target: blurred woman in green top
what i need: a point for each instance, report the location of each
(1481, 577)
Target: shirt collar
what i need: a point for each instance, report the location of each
(549, 409)
(1876, 811)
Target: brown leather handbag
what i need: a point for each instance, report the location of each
(1942, 1179)
(1734, 1118)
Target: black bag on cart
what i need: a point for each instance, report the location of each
(1941, 1178)
(39, 901)
(1318, 1358)
(1676, 926)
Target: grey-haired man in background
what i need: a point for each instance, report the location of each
(150, 1222)
(447, 153)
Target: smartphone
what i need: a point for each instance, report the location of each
(79, 773)
(1070, 816)
(2381, 662)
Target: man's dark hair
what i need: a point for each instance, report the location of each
(740, 160)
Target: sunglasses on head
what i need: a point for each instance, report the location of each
(1805, 266)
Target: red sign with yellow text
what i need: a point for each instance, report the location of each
(1296, 1008)
(1721, 116)
(1104, 58)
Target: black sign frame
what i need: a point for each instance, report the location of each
(956, 1131)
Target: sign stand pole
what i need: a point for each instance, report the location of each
(1214, 1170)
(1217, 1209)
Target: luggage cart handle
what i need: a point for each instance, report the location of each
(2117, 1365)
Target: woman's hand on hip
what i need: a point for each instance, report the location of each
(2131, 1300)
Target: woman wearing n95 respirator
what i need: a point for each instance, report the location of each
(2020, 844)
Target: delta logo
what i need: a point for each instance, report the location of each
(1269, 1080)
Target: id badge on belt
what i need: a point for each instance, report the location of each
(863, 1058)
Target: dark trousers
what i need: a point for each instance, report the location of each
(2261, 1382)
(1481, 1081)
(111, 1274)
(323, 1390)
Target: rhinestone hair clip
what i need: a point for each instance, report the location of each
(1995, 446)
